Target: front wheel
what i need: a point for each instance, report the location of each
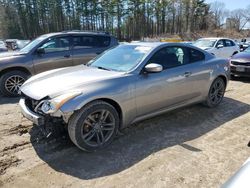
(11, 82)
(216, 93)
(94, 126)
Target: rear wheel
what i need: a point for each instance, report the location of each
(11, 82)
(216, 93)
(94, 126)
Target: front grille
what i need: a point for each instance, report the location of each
(30, 103)
(235, 68)
(240, 63)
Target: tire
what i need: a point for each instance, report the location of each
(97, 120)
(11, 82)
(216, 93)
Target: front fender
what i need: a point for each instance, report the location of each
(121, 93)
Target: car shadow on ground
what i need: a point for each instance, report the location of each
(8, 100)
(241, 79)
(139, 141)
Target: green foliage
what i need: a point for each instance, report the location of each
(127, 19)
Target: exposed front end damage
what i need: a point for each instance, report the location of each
(31, 109)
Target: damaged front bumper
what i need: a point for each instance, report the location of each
(40, 119)
(34, 117)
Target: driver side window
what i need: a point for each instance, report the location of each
(169, 57)
(56, 45)
(220, 42)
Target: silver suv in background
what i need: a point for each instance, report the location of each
(50, 51)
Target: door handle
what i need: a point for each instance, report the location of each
(187, 74)
(67, 55)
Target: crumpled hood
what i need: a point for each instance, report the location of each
(55, 82)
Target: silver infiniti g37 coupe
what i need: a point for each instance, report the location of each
(124, 85)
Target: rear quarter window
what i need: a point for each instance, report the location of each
(103, 41)
(91, 41)
(232, 43)
(195, 55)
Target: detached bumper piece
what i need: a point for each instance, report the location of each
(35, 118)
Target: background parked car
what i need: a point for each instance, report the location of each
(3, 47)
(240, 63)
(15, 44)
(220, 47)
(243, 44)
(50, 51)
(11, 44)
(124, 85)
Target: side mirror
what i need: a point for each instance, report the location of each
(220, 46)
(40, 51)
(153, 68)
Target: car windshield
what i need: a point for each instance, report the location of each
(22, 43)
(32, 44)
(122, 58)
(204, 43)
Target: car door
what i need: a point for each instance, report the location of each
(219, 51)
(87, 47)
(52, 54)
(230, 46)
(172, 86)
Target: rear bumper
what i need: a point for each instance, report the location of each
(35, 118)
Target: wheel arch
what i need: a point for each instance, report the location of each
(113, 103)
(15, 69)
(224, 78)
(73, 108)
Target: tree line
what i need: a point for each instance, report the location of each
(126, 19)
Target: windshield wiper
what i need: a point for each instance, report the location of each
(103, 68)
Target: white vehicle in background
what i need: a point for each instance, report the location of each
(220, 47)
(3, 47)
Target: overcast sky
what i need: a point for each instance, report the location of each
(233, 4)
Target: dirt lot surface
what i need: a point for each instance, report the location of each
(190, 147)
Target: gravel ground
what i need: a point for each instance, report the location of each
(190, 147)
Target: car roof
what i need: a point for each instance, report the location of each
(157, 44)
(149, 44)
(215, 38)
(77, 33)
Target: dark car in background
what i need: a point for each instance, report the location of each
(240, 64)
(50, 51)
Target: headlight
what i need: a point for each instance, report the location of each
(51, 106)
